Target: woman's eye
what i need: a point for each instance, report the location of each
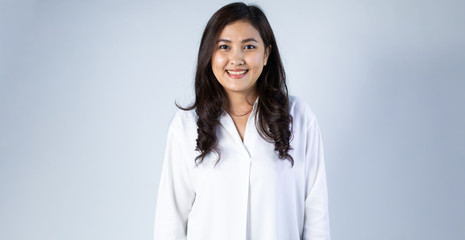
(223, 47)
(249, 47)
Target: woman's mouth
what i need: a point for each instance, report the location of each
(236, 73)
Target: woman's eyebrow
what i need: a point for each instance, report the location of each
(243, 41)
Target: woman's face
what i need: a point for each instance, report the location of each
(239, 58)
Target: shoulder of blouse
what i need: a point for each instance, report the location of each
(300, 111)
(183, 120)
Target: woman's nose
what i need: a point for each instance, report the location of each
(236, 57)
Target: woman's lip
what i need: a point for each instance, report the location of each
(236, 76)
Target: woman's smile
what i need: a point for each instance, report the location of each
(237, 73)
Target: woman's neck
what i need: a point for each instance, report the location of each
(240, 103)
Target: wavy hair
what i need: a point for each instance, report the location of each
(273, 120)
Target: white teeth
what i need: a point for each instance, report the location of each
(236, 73)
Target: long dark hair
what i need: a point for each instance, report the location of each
(273, 121)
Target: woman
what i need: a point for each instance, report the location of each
(245, 161)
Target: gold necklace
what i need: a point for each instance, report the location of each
(241, 115)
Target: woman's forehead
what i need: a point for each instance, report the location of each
(239, 31)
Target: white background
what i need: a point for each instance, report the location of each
(87, 90)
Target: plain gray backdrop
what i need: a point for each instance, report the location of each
(87, 90)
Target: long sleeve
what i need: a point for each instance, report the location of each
(175, 192)
(316, 221)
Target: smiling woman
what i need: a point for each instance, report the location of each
(239, 58)
(246, 160)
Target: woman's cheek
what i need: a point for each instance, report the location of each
(220, 60)
(254, 61)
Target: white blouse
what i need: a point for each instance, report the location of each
(250, 194)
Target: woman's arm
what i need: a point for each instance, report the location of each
(316, 222)
(175, 192)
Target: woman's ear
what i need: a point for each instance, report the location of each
(267, 54)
